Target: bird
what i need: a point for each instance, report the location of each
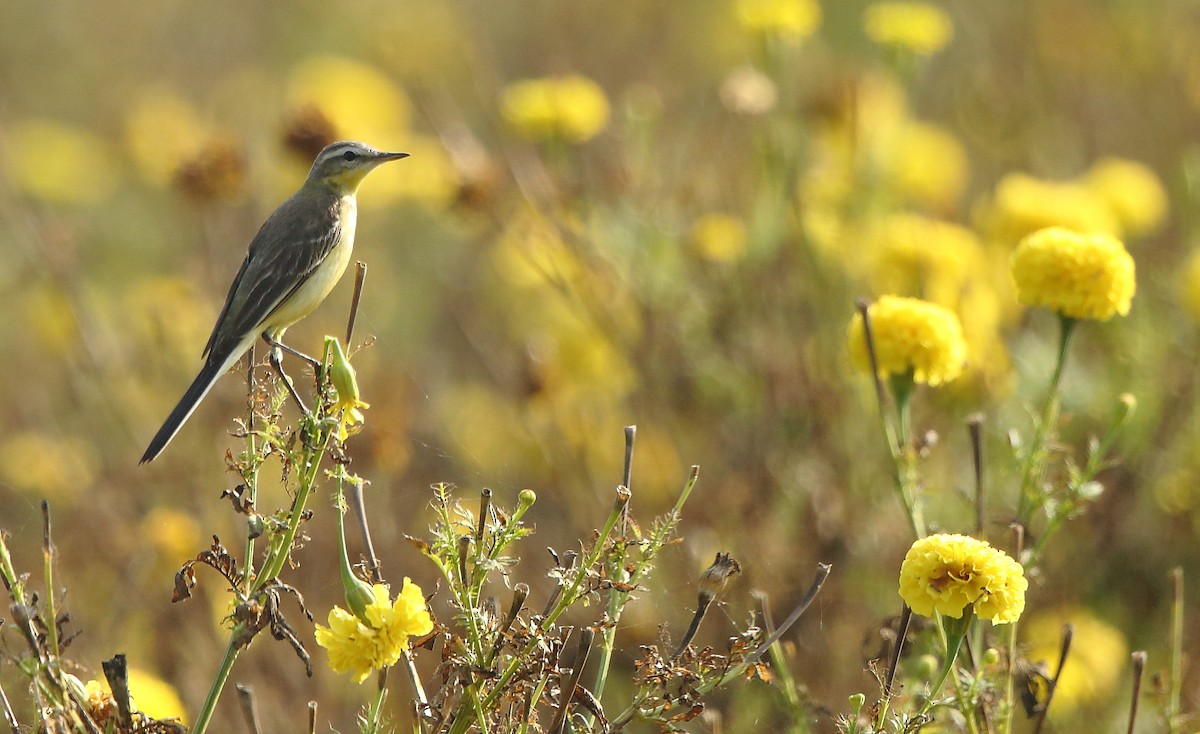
(291, 265)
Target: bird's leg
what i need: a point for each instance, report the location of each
(275, 357)
(276, 344)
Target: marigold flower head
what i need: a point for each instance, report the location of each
(572, 108)
(1133, 192)
(1095, 666)
(58, 162)
(719, 237)
(793, 20)
(910, 335)
(360, 646)
(1081, 276)
(948, 573)
(921, 28)
(1023, 204)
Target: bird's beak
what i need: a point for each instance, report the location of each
(385, 157)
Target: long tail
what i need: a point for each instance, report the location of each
(191, 399)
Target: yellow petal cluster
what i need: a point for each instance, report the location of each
(1023, 204)
(1081, 276)
(359, 647)
(719, 238)
(793, 20)
(947, 573)
(921, 28)
(1095, 667)
(910, 335)
(572, 108)
(1132, 191)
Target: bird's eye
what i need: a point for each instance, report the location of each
(349, 155)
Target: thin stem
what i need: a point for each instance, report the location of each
(214, 692)
(1035, 458)
(375, 712)
(975, 430)
(251, 480)
(1064, 650)
(360, 275)
(1176, 644)
(51, 610)
(1139, 668)
(616, 599)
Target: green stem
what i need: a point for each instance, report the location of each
(375, 712)
(904, 458)
(955, 631)
(273, 566)
(1035, 458)
(214, 692)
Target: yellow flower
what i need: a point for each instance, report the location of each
(1189, 285)
(149, 696)
(1081, 276)
(345, 382)
(361, 647)
(910, 335)
(433, 183)
(915, 255)
(571, 108)
(173, 535)
(359, 100)
(1023, 204)
(1133, 192)
(58, 162)
(947, 573)
(162, 130)
(48, 465)
(719, 237)
(918, 27)
(793, 20)
(1094, 667)
(904, 157)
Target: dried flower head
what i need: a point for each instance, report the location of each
(1081, 276)
(948, 573)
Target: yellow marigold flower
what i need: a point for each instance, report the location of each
(572, 108)
(910, 335)
(948, 573)
(916, 255)
(1081, 276)
(921, 28)
(162, 130)
(1023, 204)
(359, 100)
(59, 163)
(719, 237)
(904, 156)
(793, 20)
(1094, 667)
(360, 647)
(1133, 192)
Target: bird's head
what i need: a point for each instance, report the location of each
(343, 165)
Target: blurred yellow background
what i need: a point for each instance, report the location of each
(654, 213)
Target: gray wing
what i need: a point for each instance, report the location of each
(287, 250)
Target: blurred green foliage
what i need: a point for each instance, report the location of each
(682, 253)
